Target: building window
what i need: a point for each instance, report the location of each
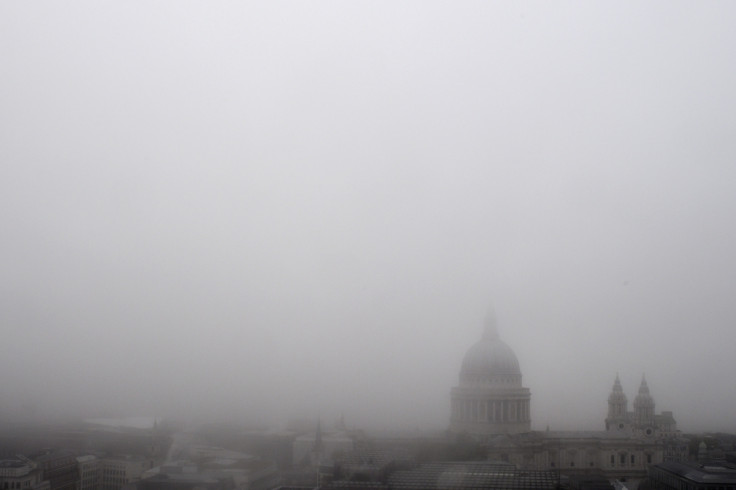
(649, 459)
(613, 460)
(622, 458)
(633, 459)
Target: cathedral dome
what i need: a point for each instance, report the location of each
(490, 361)
(490, 399)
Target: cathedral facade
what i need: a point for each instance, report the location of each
(491, 406)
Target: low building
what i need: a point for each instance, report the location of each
(213, 468)
(676, 475)
(186, 481)
(320, 447)
(472, 475)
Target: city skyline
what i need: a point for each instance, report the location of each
(260, 212)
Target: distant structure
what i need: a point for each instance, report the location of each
(319, 448)
(491, 406)
(642, 421)
(693, 476)
(490, 399)
(211, 468)
(472, 475)
(116, 472)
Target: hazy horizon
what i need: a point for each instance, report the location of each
(267, 211)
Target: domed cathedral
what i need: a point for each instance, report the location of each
(491, 406)
(490, 399)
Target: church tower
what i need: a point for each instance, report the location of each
(490, 399)
(617, 407)
(643, 406)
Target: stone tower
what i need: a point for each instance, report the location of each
(617, 407)
(643, 406)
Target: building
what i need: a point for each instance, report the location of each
(490, 405)
(642, 421)
(461, 475)
(212, 467)
(21, 473)
(490, 398)
(115, 472)
(89, 472)
(59, 468)
(676, 475)
(320, 447)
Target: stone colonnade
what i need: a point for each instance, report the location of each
(493, 411)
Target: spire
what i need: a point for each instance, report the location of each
(617, 405)
(644, 404)
(617, 385)
(491, 329)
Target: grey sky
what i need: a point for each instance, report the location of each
(306, 208)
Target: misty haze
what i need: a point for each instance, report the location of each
(361, 217)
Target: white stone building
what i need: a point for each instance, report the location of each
(490, 399)
(115, 472)
(491, 406)
(89, 472)
(20, 473)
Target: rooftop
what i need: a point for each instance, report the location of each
(711, 472)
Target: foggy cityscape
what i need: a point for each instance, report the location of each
(259, 213)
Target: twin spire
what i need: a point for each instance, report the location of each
(643, 387)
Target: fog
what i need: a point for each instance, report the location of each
(254, 212)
